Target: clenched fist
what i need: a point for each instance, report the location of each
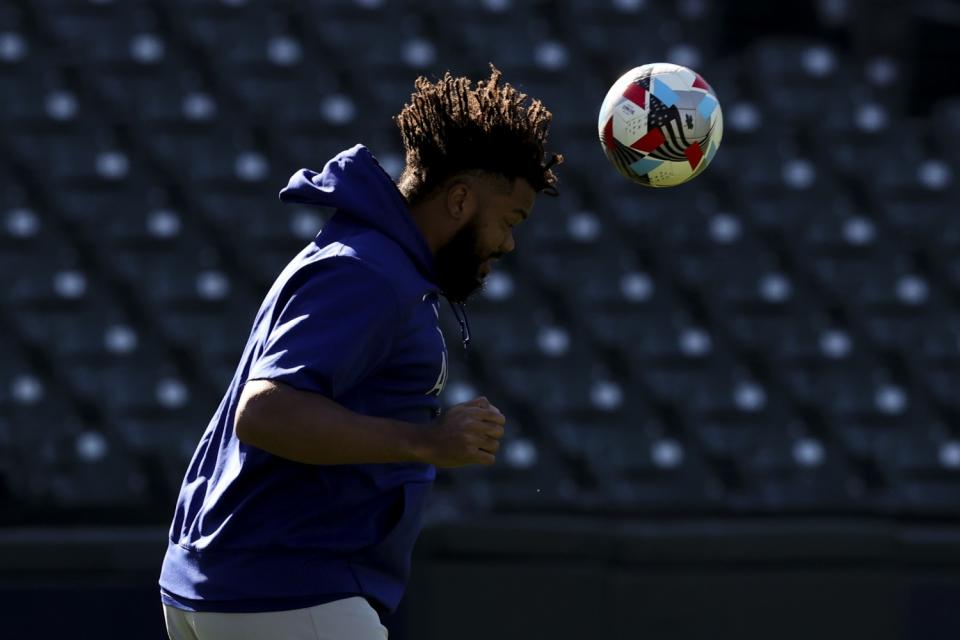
(467, 433)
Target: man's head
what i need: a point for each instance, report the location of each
(474, 165)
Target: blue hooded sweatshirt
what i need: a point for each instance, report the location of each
(354, 317)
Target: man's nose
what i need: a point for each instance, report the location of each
(509, 245)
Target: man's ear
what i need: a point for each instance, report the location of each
(461, 201)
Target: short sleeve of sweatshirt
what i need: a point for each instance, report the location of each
(333, 331)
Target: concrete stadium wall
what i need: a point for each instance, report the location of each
(686, 580)
(557, 578)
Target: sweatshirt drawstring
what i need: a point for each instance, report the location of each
(461, 317)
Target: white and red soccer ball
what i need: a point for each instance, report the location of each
(660, 124)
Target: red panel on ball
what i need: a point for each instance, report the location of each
(700, 83)
(608, 135)
(649, 142)
(636, 94)
(694, 154)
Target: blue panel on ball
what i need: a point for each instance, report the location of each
(711, 151)
(664, 93)
(706, 106)
(643, 166)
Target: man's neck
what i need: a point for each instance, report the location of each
(425, 216)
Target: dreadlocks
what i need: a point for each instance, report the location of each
(449, 127)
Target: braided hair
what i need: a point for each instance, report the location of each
(449, 127)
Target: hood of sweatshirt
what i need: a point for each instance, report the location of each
(363, 194)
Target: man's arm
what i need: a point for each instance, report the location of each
(310, 428)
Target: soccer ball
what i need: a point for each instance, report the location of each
(660, 124)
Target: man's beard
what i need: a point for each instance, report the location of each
(458, 264)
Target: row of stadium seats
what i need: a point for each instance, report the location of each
(779, 337)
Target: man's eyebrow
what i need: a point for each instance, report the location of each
(522, 213)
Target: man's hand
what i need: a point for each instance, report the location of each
(467, 433)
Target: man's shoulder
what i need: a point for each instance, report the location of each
(376, 251)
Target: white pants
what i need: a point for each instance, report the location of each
(347, 619)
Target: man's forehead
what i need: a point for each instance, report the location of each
(522, 196)
(516, 192)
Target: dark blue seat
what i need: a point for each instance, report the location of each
(641, 469)
(782, 474)
(100, 32)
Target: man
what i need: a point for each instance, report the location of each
(299, 511)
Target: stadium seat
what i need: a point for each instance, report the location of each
(105, 34)
(796, 75)
(638, 470)
(597, 30)
(108, 481)
(169, 95)
(74, 156)
(944, 114)
(39, 424)
(921, 221)
(163, 446)
(529, 477)
(802, 476)
(205, 155)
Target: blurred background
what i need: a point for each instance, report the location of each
(734, 406)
